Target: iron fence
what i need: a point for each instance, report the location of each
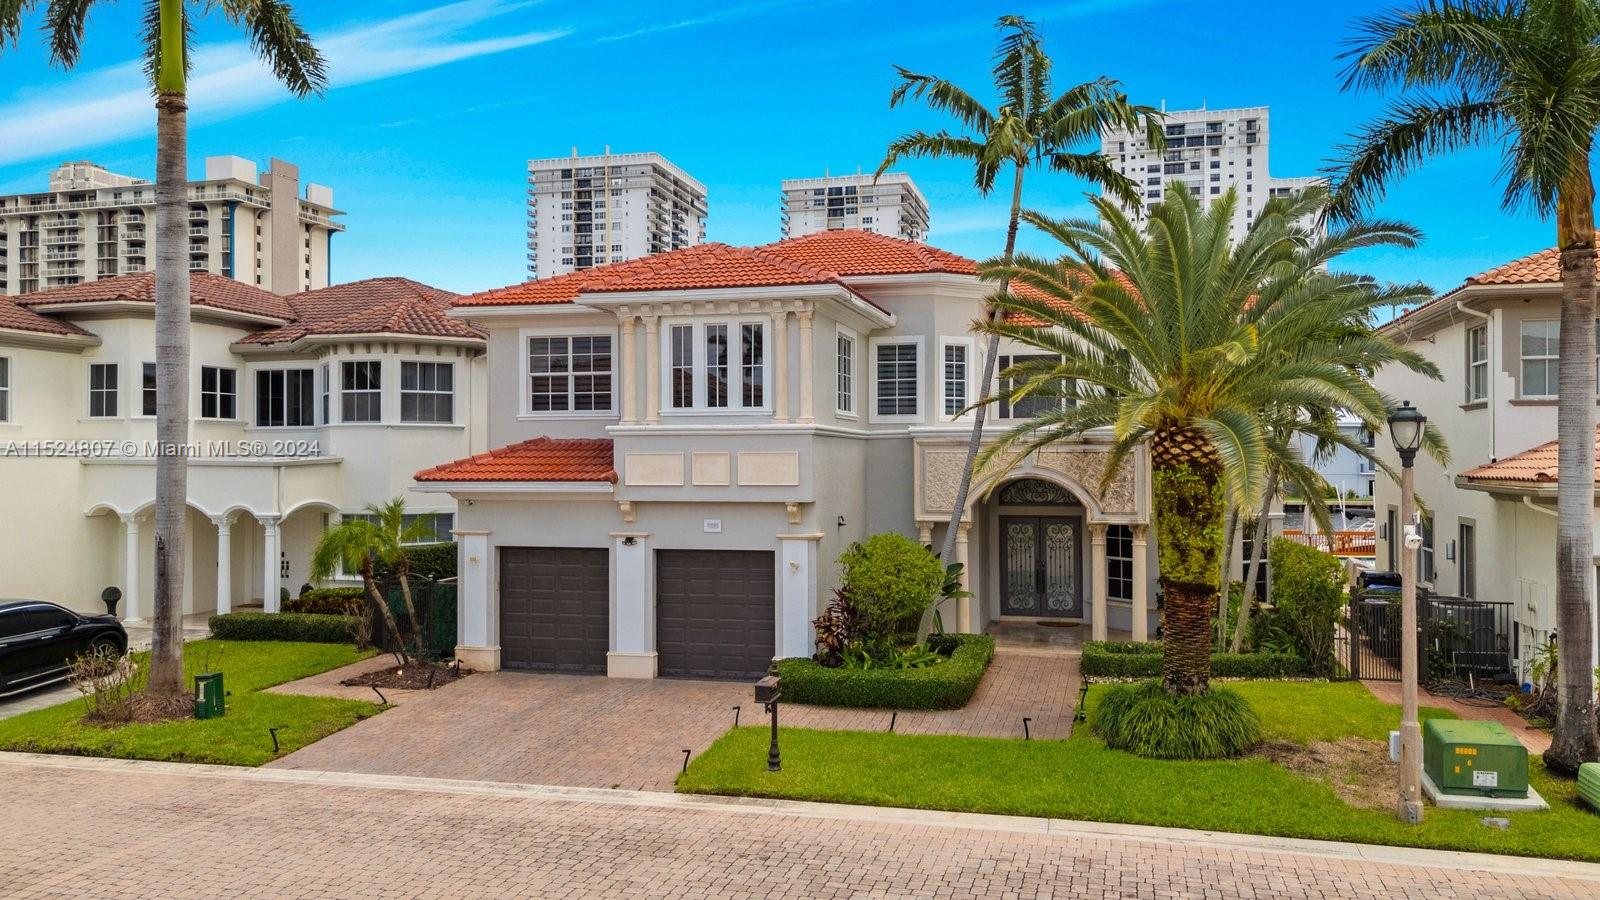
(1456, 637)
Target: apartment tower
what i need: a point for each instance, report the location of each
(890, 204)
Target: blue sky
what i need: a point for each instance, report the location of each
(435, 108)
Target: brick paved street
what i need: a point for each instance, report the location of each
(115, 829)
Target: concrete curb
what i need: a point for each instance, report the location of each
(1061, 828)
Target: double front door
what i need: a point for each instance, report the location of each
(1040, 564)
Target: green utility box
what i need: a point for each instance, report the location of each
(1589, 784)
(1480, 759)
(208, 696)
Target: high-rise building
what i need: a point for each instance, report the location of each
(585, 211)
(1209, 150)
(93, 223)
(890, 204)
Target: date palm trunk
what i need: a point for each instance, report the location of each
(1576, 740)
(1223, 586)
(1186, 493)
(1258, 541)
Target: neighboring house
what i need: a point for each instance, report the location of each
(1347, 472)
(302, 408)
(1489, 530)
(685, 443)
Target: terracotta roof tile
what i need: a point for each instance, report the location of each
(1536, 466)
(20, 318)
(1543, 267)
(851, 252)
(371, 306)
(205, 289)
(542, 459)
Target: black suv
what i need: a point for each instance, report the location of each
(38, 641)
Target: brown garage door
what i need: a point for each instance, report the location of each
(714, 612)
(555, 608)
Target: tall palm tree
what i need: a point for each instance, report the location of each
(1032, 127)
(1523, 75)
(1174, 337)
(359, 544)
(278, 39)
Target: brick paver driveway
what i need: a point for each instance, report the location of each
(589, 731)
(109, 828)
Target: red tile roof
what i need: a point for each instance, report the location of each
(542, 459)
(205, 289)
(1543, 267)
(1536, 466)
(370, 306)
(20, 318)
(850, 252)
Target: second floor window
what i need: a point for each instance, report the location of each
(427, 392)
(717, 365)
(1119, 563)
(1477, 363)
(361, 391)
(1541, 339)
(147, 392)
(955, 378)
(569, 373)
(1031, 405)
(5, 389)
(284, 398)
(219, 393)
(103, 390)
(846, 402)
(895, 379)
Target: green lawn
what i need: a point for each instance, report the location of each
(1081, 779)
(239, 738)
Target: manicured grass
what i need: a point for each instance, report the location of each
(239, 738)
(1082, 779)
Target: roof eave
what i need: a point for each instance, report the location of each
(48, 340)
(1537, 489)
(306, 342)
(125, 305)
(514, 487)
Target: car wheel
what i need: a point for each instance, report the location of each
(106, 646)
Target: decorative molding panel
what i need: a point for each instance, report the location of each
(939, 475)
(711, 469)
(653, 469)
(773, 469)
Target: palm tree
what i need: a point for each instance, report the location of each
(1172, 336)
(1032, 127)
(1523, 75)
(279, 40)
(359, 544)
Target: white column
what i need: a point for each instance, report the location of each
(270, 579)
(131, 611)
(633, 611)
(964, 607)
(224, 525)
(1097, 580)
(797, 594)
(780, 366)
(477, 606)
(925, 533)
(1141, 584)
(627, 374)
(807, 377)
(652, 369)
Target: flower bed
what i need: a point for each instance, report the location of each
(1129, 659)
(947, 685)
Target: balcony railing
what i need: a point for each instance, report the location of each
(1339, 543)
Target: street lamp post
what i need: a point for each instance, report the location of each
(1405, 429)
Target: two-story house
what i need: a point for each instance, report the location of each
(303, 408)
(685, 443)
(1488, 526)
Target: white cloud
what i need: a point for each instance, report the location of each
(723, 15)
(98, 106)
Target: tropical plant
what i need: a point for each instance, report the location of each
(1174, 337)
(277, 38)
(837, 628)
(358, 544)
(1031, 127)
(1523, 76)
(1307, 593)
(917, 656)
(1145, 719)
(892, 580)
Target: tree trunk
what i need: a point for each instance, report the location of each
(402, 570)
(1188, 508)
(979, 416)
(1223, 585)
(1575, 740)
(172, 385)
(1258, 549)
(378, 600)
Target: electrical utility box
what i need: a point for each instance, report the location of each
(1475, 759)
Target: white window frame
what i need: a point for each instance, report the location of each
(872, 364)
(735, 330)
(455, 409)
(382, 377)
(1114, 562)
(6, 414)
(253, 414)
(114, 391)
(218, 394)
(1474, 365)
(1523, 359)
(153, 390)
(325, 372)
(525, 408)
(846, 374)
(969, 346)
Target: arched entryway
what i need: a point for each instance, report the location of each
(1039, 550)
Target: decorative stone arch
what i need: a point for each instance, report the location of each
(989, 488)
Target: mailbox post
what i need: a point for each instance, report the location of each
(768, 690)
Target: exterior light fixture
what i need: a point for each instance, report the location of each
(1405, 429)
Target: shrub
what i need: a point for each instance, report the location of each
(948, 685)
(334, 601)
(892, 580)
(1308, 591)
(1145, 720)
(837, 628)
(252, 626)
(1128, 659)
(434, 561)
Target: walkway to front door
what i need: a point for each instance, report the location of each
(1039, 566)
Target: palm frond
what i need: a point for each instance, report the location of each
(1408, 133)
(63, 25)
(277, 37)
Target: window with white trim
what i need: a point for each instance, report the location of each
(719, 365)
(361, 391)
(896, 383)
(5, 389)
(327, 392)
(434, 528)
(103, 390)
(1541, 340)
(147, 390)
(219, 393)
(1477, 363)
(845, 386)
(569, 373)
(427, 391)
(955, 376)
(1032, 405)
(1119, 563)
(283, 398)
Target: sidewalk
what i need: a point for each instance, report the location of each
(1536, 740)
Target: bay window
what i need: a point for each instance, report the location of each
(103, 390)
(284, 398)
(955, 376)
(845, 370)
(896, 379)
(219, 392)
(1477, 363)
(1541, 339)
(427, 392)
(715, 366)
(361, 391)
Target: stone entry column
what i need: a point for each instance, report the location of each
(131, 611)
(224, 525)
(1141, 583)
(270, 579)
(633, 650)
(1099, 629)
(964, 607)
(797, 591)
(477, 605)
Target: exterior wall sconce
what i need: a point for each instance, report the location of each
(629, 541)
(841, 521)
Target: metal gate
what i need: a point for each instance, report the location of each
(1456, 637)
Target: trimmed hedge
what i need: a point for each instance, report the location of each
(334, 601)
(435, 561)
(254, 626)
(948, 685)
(1127, 659)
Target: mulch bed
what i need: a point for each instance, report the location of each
(417, 676)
